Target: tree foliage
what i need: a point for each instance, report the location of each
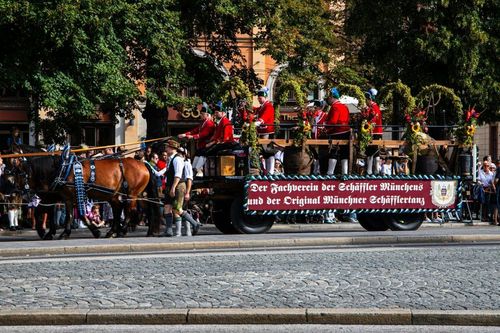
(74, 57)
(451, 43)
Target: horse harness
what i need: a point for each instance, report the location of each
(69, 161)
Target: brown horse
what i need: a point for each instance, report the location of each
(120, 181)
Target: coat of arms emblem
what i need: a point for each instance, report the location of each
(443, 193)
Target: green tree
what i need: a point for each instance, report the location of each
(452, 43)
(76, 57)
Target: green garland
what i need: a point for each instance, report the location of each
(239, 88)
(428, 91)
(403, 92)
(353, 91)
(287, 85)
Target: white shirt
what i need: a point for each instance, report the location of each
(486, 179)
(188, 170)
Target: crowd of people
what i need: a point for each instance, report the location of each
(487, 192)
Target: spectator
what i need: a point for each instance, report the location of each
(14, 138)
(139, 156)
(59, 214)
(35, 201)
(160, 165)
(386, 167)
(401, 166)
(496, 202)
(147, 153)
(486, 178)
(13, 207)
(94, 217)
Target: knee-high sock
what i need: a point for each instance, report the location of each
(270, 165)
(376, 168)
(345, 166)
(369, 165)
(169, 220)
(196, 160)
(12, 217)
(331, 166)
(188, 217)
(178, 226)
(316, 167)
(188, 228)
(200, 162)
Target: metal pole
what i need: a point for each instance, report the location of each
(474, 163)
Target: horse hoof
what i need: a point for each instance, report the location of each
(48, 236)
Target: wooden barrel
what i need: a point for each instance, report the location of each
(465, 163)
(297, 161)
(427, 164)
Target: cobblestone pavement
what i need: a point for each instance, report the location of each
(444, 277)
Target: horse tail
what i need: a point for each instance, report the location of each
(151, 207)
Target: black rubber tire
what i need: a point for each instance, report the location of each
(249, 224)
(404, 222)
(222, 218)
(373, 222)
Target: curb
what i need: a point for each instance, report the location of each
(245, 244)
(276, 316)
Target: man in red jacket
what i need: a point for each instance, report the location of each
(223, 131)
(264, 121)
(337, 126)
(373, 115)
(202, 134)
(204, 131)
(222, 138)
(264, 114)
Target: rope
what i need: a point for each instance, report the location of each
(95, 202)
(58, 152)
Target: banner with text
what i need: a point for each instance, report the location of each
(376, 194)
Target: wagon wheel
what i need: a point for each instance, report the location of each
(404, 222)
(373, 222)
(221, 217)
(249, 224)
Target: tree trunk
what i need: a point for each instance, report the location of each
(156, 120)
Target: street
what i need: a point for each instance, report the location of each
(418, 277)
(295, 268)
